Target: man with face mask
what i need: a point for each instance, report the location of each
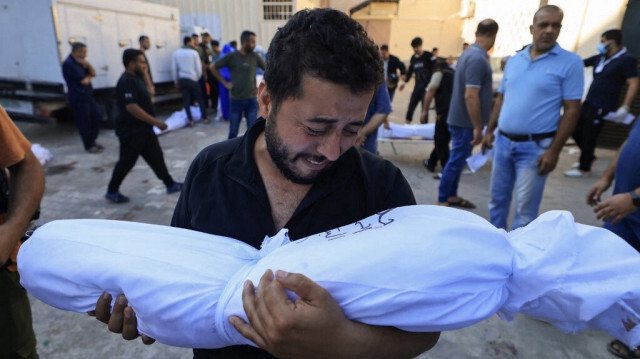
(242, 64)
(297, 167)
(134, 128)
(538, 82)
(612, 68)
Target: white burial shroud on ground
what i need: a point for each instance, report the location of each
(418, 268)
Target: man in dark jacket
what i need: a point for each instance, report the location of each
(392, 65)
(422, 64)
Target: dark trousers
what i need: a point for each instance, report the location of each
(203, 90)
(145, 145)
(441, 140)
(214, 91)
(190, 91)
(392, 91)
(17, 339)
(417, 96)
(88, 119)
(586, 133)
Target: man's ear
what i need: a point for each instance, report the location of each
(264, 100)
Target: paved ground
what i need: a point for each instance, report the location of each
(76, 182)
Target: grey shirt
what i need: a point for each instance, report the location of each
(472, 70)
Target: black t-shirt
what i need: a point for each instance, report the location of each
(132, 89)
(223, 194)
(422, 65)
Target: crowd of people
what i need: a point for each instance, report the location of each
(306, 122)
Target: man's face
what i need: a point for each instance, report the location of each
(417, 49)
(308, 134)
(195, 41)
(545, 30)
(250, 44)
(81, 53)
(384, 54)
(141, 66)
(145, 44)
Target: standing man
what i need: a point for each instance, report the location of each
(242, 64)
(145, 44)
(469, 111)
(201, 48)
(134, 128)
(621, 212)
(17, 207)
(377, 113)
(297, 169)
(186, 69)
(441, 88)
(77, 72)
(611, 69)
(422, 64)
(538, 82)
(214, 91)
(392, 65)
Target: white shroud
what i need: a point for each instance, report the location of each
(418, 268)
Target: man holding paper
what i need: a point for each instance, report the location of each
(612, 68)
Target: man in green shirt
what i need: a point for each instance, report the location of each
(242, 64)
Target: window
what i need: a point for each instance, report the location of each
(277, 10)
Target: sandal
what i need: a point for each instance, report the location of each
(623, 351)
(462, 203)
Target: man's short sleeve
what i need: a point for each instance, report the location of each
(127, 91)
(591, 61)
(573, 82)
(71, 72)
(436, 78)
(13, 145)
(503, 82)
(382, 101)
(261, 63)
(630, 67)
(474, 72)
(223, 61)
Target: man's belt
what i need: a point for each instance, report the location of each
(528, 137)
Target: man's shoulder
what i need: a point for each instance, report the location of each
(217, 153)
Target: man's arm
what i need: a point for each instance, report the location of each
(472, 103)
(142, 115)
(594, 193)
(548, 160)
(431, 92)
(147, 81)
(487, 141)
(375, 121)
(632, 90)
(314, 326)
(216, 74)
(26, 186)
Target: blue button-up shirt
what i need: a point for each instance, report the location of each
(534, 90)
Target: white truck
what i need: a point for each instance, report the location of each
(36, 37)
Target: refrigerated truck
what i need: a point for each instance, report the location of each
(36, 37)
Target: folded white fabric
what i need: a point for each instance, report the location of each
(426, 130)
(418, 268)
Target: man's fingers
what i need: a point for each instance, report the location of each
(117, 315)
(147, 340)
(304, 287)
(129, 325)
(103, 308)
(247, 331)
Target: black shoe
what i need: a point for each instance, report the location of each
(429, 166)
(175, 187)
(94, 149)
(116, 197)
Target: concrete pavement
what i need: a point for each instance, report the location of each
(76, 183)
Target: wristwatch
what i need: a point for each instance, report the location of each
(635, 198)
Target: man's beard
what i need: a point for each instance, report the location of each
(281, 157)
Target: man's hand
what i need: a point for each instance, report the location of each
(621, 113)
(121, 320)
(547, 162)
(487, 140)
(477, 136)
(593, 195)
(360, 138)
(291, 329)
(228, 85)
(616, 208)
(83, 62)
(161, 125)
(86, 81)
(401, 87)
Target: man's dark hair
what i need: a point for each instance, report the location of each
(142, 38)
(417, 41)
(130, 55)
(325, 44)
(487, 27)
(194, 35)
(384, 47)
(76, 46)
(233, 43)
(246, 34)
(613, 34)
(552, 8)
(204, 34)
(215, 43)
(186, 40)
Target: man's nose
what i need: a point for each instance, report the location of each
(330, 146)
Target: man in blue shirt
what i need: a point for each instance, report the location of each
(469, 111)
(538, 82)
(612, 68)
(377, 112)
(77, 72)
